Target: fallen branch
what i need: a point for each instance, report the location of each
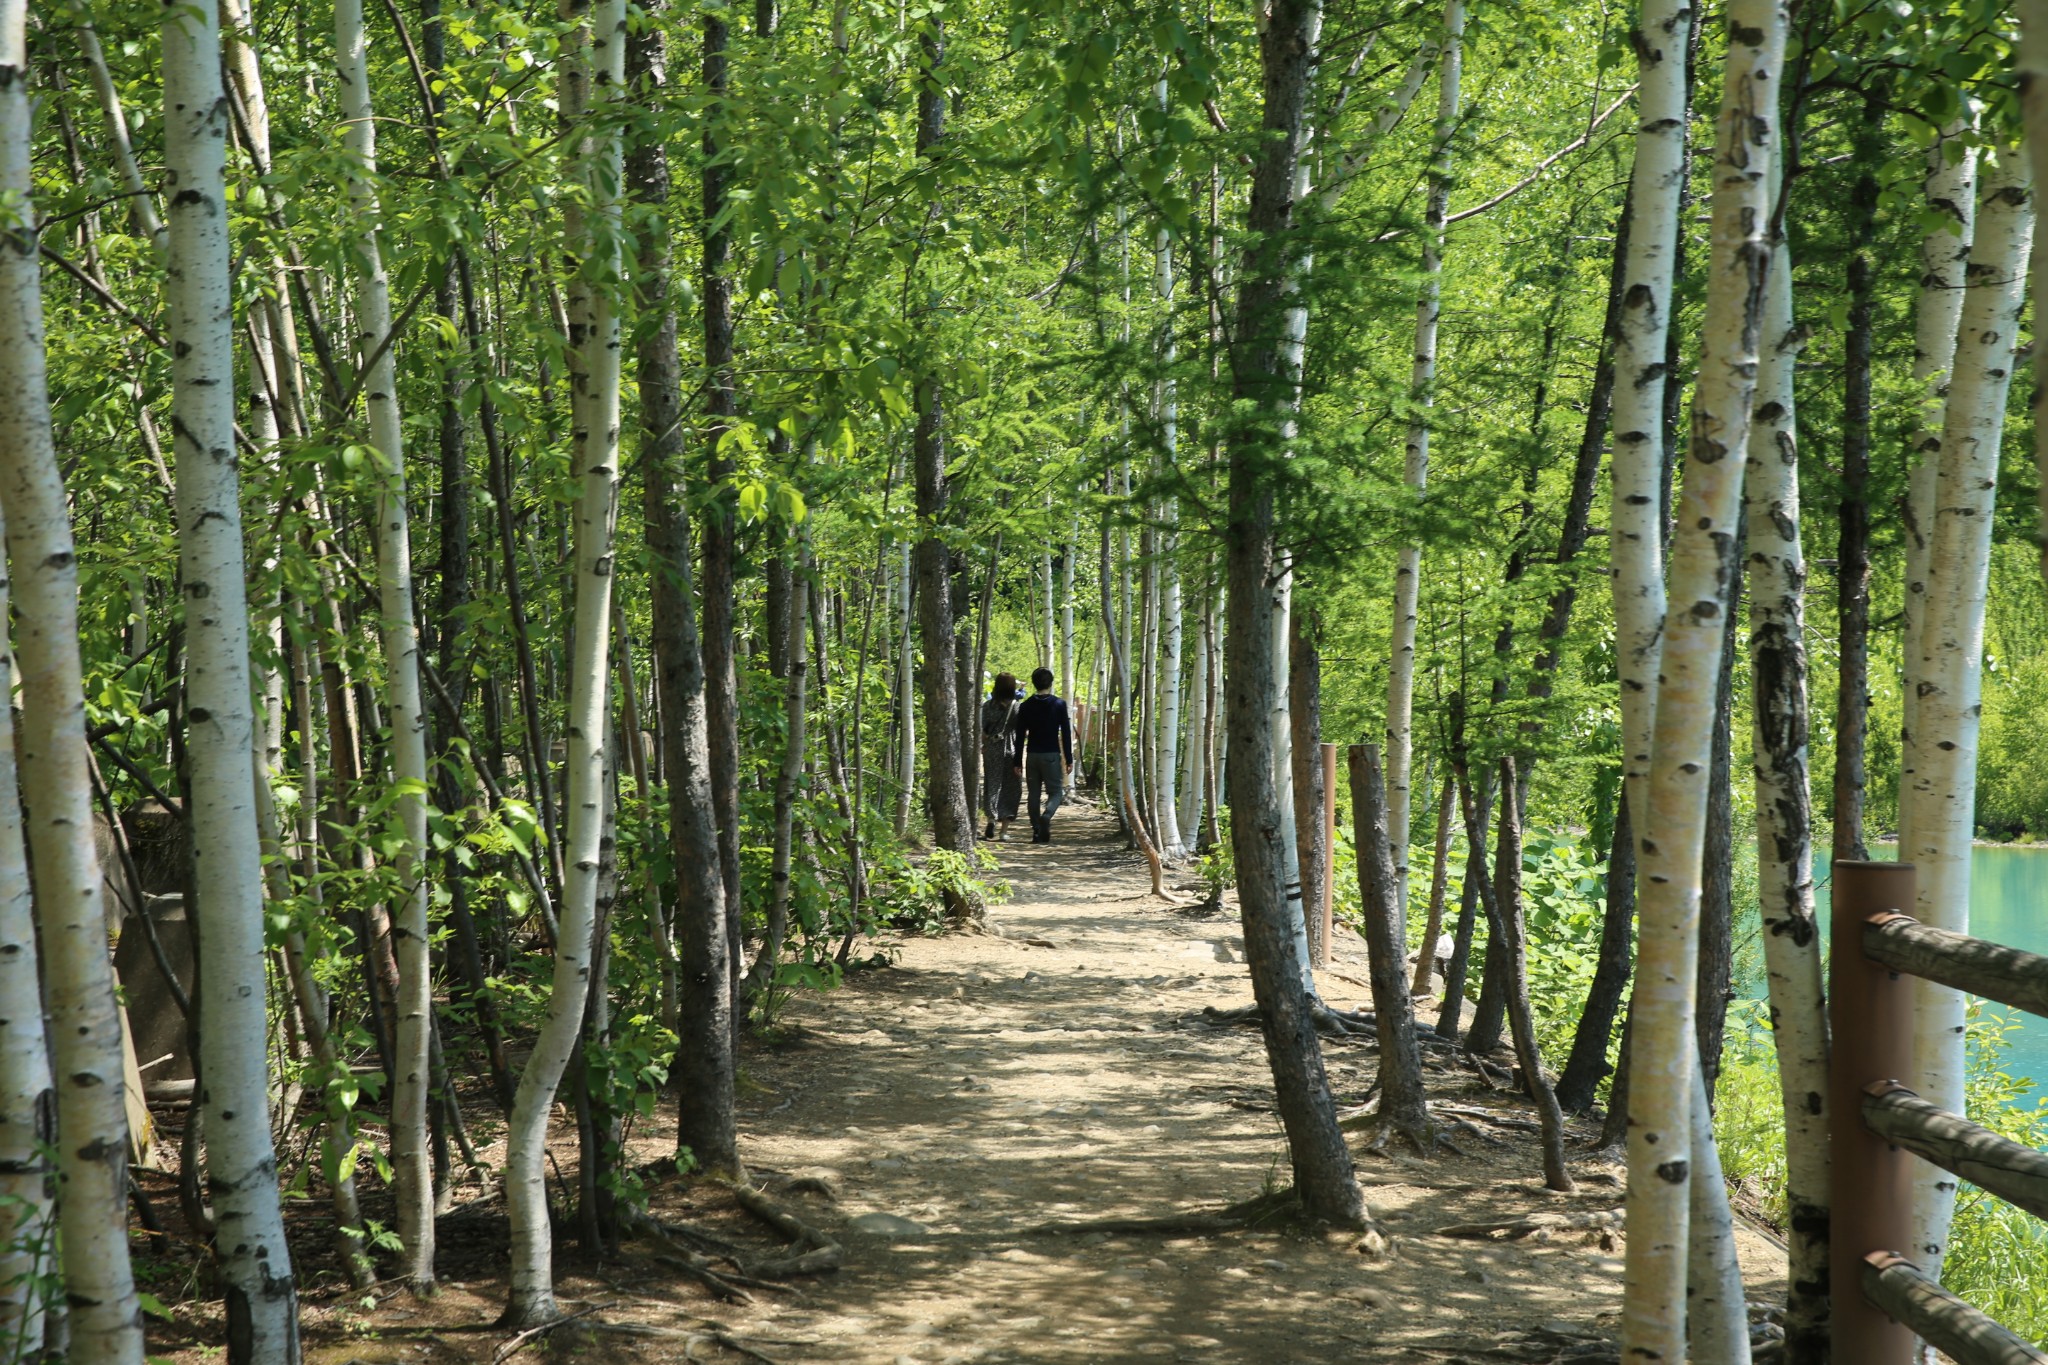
(1517, 1229)
(1280, 1204)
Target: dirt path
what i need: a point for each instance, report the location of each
(1056, 1068)
(1051, 1070)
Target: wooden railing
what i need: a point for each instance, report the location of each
(1881, 1300)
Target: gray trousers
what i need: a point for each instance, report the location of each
(999, 785)
(1047, 773)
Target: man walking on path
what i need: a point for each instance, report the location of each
(1044, 751)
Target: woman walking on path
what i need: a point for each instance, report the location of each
(1001, 784)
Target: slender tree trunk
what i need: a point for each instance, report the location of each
(703, 1070)
(1067, 612)
(952, 821)
(718, 533)
(1510, 944)
(1421, 394)
(1950, 194)
(1579, 1083)
(1665, 1058)
(410, 1156)
(1166, 685)
(38, 538)
(1120, 703)
(262, 1300)
(1940, 795)
(1305, 708)
(1194, 769)
(795, 660)
(1852, 510)
(1636, 538)
(1717, 861)
(1048, 636)
(1784, 817)
(1167, 689)
(1439, 877)
(906, 697)
(1717, 1310)
(1261, 377)
(1403, 1108)
(593, 76)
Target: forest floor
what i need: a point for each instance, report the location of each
(1055, 1068)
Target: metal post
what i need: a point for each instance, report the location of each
(1870, 1015)
(1329, 850)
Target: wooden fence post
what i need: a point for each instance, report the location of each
(1870, 1014)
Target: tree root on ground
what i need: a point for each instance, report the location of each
(1274, 1209)
(1424, 1139)
(532, 1334)
(1516, 1229)
(810, 1251)
(1498, 1120)
(727, 1286)
(692, 1339)
(1329, 1022)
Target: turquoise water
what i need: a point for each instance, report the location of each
(2008, 904)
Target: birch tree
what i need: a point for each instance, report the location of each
(220, 740)
(1939, 795)
(1635, 554)
(1784, 812)
(411, 1156)
(593, 76)
(28, 475)
(1664, 1056)
(1949, 196)
(1263, 377)
(1415, 464)
(1193, 770)
(1166, 682)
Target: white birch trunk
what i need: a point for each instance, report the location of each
(26, 1245)
(1067, 611)
(1166, 774)
(1635, 547)
(906, 693)
(592, 74)
(1949, 190)
(1048, 640)
(1282, 723)
(1941, 792)
(141, 204)
(241, 1166)
(1664, 1057)
(1166, 777)
(1717, 1309)
(411, 1159)
(1784, 819)
(1415, 471)
(2033, 73)
(1193, 793)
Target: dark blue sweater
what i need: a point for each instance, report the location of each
(1042, 727)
